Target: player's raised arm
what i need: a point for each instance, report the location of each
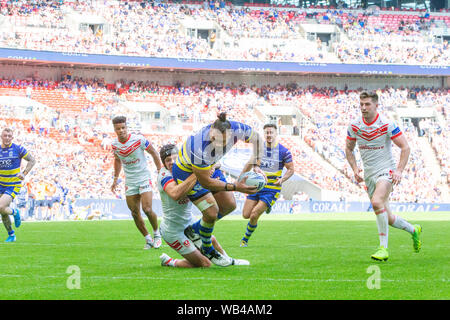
(30, 164)
(401, 142)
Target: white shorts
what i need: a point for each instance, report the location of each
(371, 182)
(178, 241)
(138, 188)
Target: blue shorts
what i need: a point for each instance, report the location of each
(266, 195)
(197, 191)
(12, 190)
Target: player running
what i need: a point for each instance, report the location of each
(11, 179)
(275, 158)
(178, 216)
(374, 134)
(198, 154)
(129, 152)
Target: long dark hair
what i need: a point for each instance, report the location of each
(222, 124)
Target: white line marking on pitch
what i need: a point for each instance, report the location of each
(223, 279)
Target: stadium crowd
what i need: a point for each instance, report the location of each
(156, 31)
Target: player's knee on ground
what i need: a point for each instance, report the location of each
(204, 263)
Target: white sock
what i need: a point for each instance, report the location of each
(171, 262)
(148, 238)
(156, 233)
(383, 227)
(401, 223)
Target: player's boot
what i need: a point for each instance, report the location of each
(11, 238)
(165, 259)
(157, 242)
(149, 244)
(17, 220)
(194, 237)
(417, 244)
(381, 254)
(217, 258)
(244, 243)
(241, 262)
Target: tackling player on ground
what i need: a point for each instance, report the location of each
(177, 216)
(211, 194)
(11, 179)
(374, 134)
(275, 158)
(129, 152)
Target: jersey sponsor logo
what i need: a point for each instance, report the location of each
(365, 147)
(187, 243)
(127, 163)
(5, 163)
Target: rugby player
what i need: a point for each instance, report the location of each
(129, 153)
(11, 178)
(275, 158)
(373, 133)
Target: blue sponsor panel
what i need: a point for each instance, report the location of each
(225, 65)
(117, 209)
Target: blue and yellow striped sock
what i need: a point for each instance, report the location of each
(250, 230)
(206, 230)
(196, 226)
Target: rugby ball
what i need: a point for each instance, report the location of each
(254, 179)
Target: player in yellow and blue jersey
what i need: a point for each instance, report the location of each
(11, 156)
(275, 158)
(198, 154)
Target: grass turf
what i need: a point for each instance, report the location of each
(321, 257)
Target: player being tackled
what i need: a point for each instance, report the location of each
(177, 219)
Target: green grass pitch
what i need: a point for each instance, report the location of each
(321, 256)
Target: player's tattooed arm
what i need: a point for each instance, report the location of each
(151, 150)
(179, 191)
(31, 161)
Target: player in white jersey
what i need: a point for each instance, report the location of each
(129, 153)
(374, 134)
(177, 216)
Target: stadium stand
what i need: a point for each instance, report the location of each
(266, 34)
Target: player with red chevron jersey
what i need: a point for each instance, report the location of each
(374, 135)
(129, 152)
